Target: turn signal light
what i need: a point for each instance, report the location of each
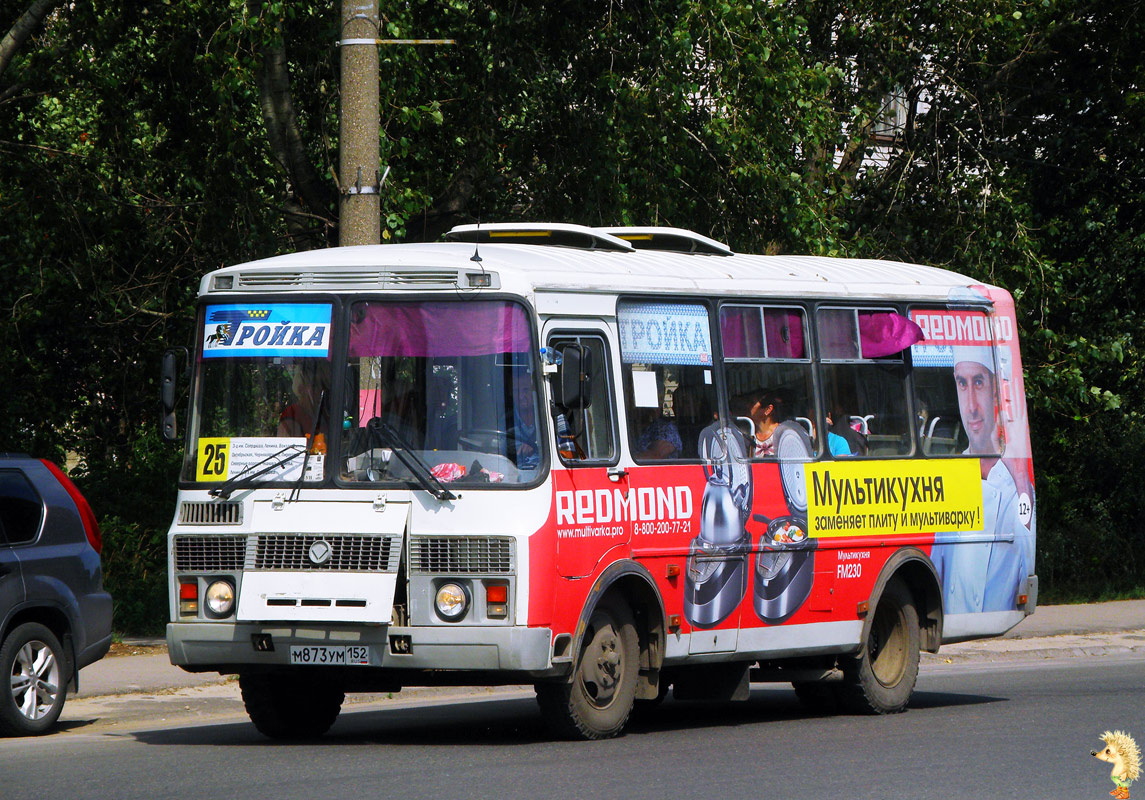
(1023, 599)
(496, 601)
(188, 598)
(863, 608)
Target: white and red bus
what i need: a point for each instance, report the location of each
(604, 462)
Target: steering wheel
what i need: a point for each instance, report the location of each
(484, 440)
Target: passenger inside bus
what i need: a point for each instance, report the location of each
(308, 415)
(693, 410)
(523, 432)
(659, 438)
(837, 444)
(767, 410)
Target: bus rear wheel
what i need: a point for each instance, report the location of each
(288, 707)
(597, 702)
(881, 677)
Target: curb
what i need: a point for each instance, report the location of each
(1122, 643)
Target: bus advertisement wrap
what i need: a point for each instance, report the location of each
(893, 497)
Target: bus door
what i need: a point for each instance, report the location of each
(591, 495)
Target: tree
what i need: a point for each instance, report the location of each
(144, 143)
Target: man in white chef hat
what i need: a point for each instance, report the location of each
(983, 570)
(978, 399)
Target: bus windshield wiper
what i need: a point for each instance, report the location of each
(258, 469)
(412, 461)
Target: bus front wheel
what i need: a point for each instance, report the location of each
(881, 677)
(597, 702)
(284, 706)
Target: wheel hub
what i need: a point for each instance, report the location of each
(35, 680)
(602, 670)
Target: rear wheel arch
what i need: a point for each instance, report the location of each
(914, 570)
(54, 619)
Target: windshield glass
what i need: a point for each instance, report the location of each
(263, 392)
(453, 380)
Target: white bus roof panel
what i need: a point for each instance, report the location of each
(526, 268)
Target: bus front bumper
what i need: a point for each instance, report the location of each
(228, 647)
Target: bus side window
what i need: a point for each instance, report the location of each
(669, 387)
(955, 393)
(768, 372)
(864, 377)
(585, 430)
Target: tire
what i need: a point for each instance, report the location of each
(35, 687)
(597, 702)
(880, 679)
(290, 707)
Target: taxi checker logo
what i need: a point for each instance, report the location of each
(320, 552)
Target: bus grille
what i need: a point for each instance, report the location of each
(192, 513)
(461, 555)
(210, 553)
(348, 552)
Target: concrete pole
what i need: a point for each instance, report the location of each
(359, 207)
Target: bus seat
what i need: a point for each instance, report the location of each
(942, 436)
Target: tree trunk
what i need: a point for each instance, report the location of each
(23, 28)
(310, 199)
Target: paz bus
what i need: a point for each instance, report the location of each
(606, 462)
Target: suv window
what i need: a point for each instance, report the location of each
(20, 508)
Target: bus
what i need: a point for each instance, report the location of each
(609, 463)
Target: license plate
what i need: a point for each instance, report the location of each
(352, 655)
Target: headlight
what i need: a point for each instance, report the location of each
(220, 598)
(451, 602)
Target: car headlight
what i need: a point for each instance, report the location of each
(451, 602)
(220, 598)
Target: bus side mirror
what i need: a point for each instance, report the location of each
(575, 381)
(168, 388)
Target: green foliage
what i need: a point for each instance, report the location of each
(135, 156)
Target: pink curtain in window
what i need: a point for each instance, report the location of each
(477, 328)
(883, 333)
(741, 333)
(784, 329)
(743, 338)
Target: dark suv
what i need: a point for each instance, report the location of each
(55, 616)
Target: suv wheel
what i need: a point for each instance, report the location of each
(33, 693)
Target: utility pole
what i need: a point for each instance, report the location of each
(359, 163)
(359, 208)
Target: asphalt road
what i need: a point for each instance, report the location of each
(1010, 728)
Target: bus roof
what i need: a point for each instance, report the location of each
(526, 268)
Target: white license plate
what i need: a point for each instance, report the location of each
(352, 655)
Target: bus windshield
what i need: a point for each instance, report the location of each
(453, 381)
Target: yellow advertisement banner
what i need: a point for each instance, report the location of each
(877, 498)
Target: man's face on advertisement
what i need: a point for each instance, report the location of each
(976, 397)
